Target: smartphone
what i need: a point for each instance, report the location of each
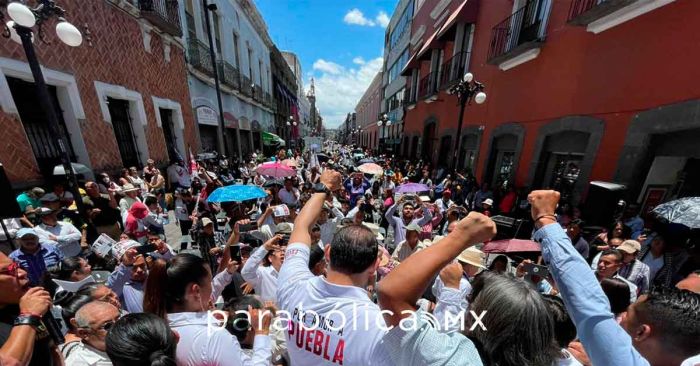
(236, 253)
(285, 240)
(535, 269)
(248, 227)
(145, 249)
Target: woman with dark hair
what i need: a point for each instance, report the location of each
(124, 177)
(618, 293)
(141, 339)
(68, 270)
(564, 329)
(180, 291)
(505, 306)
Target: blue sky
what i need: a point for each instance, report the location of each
(340, 43)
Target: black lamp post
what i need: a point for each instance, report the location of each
(466, 89)
(19, 29)
(386, 122)
(223, 141)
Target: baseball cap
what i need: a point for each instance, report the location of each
(49, 197)
(447, 191)
(21, 233)
(413, 227)
(284, 228)
(488, 201)
(206, 221)
(38, 191)
(630, 246)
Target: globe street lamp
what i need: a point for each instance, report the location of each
(19, 30)
(386, 122)
(465, 89)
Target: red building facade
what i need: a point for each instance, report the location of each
(122, 96)
(577, 92)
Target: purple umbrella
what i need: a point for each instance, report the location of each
(412, 188)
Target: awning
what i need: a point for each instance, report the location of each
(410, 65)
(230, 121)
(414, 61)
(270, 139)
(465, 13)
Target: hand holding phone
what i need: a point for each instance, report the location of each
(145, 249)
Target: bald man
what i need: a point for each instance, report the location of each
(690, 283)
(92, 321)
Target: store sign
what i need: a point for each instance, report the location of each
(230, 121)
(244, 123)
(207, 116)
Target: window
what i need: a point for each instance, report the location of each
(260, 71)
(191, 28)
(217, 33)
(395, 101)
(236, 61)
(402, 26)
(399, 64)
(250, 64)
(204, 13)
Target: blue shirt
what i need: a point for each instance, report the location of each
(603, 338)
(36, 264)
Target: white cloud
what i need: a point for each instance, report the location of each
(358, 60)
(327, 66)
(355, 16)
(337, 93)
(382, 19)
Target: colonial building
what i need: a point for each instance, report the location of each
(242, 48)
(367, 112)
(286, 99)
(122, 96)
(577, 91)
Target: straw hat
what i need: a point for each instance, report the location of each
(129, 188)
(375, 230)
(472, 256)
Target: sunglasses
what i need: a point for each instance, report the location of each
(11, 270)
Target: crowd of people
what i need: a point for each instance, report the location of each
(336, 266)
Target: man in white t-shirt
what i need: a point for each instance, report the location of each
(289, 195)
(331, 320)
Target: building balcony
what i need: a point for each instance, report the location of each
(246, 86)
(601, 15)
(258, 94)
(518, 38)
(228, 74)
(453, 69)
(409, 98)
(428, 86)
(199, 57)
(162, 13)
(584, 12)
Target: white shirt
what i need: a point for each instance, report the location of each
(182, 213)
(450, 301)
(85, 355)
(67, 237)
(201, 344)
(330, 227)
(350, 327)
(263, 279)
(289, 197)
(442, 205)
(567, 359)
(403, 250)
(125, 204)
(179, 175)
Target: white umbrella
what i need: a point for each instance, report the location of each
(77, 169)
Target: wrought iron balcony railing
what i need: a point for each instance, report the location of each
(199, 57)
(162, 13)
(453, 69)
(522, 28)
(228, 74)
(583, 12)
(428, 85)
(246, 88)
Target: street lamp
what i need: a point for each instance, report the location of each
(466, 89)
(386, 122)
(19, 29)
(217, 85)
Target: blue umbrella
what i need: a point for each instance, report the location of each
(236, 193)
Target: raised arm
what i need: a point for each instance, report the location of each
(427, 216)
(604, 340)
(389, 215)
(312, 209)
(404, 285)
